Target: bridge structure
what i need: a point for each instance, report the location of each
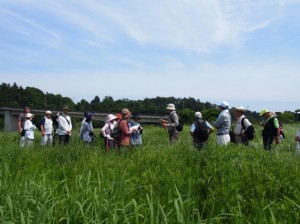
(11, 117)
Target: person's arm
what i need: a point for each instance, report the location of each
(218, 123)
(103, 130)
(83, 129)
(20, 128)
(42, 127)
(124, 128)
(70, 124)
(175, 121)
(247, 123)
(210, 128)
(276, 125)
(62, 124)
(192, 129)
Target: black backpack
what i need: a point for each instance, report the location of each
(179, 127)
(201, 130)
(250, 131)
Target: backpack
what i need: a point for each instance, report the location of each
(115, 133)
(201, 130)
(250, 131)
(179, 127)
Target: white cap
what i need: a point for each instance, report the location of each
(198, 114)
(171, 106)
(224, 104)
(48, 112)
(29, 115)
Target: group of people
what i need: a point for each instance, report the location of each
(60, 124)
(120, 130)
(242, 133)
(124, 129)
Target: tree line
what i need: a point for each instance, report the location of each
(16, 96)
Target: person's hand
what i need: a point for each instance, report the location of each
(277, 140)
(43, 133)
(164, 125)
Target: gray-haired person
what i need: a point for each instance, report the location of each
(200, 130)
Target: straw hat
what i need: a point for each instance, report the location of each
(66, 107)
(125, 113)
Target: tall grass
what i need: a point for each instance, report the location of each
(155, 183)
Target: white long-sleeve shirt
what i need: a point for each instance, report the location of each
(64, 124)
(239, 128)
(29, 128)
(107, 129)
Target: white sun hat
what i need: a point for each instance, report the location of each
(171, 106)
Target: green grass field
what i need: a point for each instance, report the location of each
(155, 183)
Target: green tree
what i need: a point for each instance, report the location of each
(286, 117)
(187, 115)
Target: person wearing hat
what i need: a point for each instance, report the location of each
(29, 129)
(171, 123)
(46, 128)
(200, 131)
(125, 131)
(21, 121)
(64, 126)
(106, 129)
(242, 123)
(87, 130)
(271, 129)
(223, 124)
(136, 137)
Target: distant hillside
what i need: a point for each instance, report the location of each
(17, 96)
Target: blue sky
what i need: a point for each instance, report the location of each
(244, 52)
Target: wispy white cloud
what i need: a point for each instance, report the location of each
(191, 26)
(163, 45)
(27, 26)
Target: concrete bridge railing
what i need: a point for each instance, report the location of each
(11, 117)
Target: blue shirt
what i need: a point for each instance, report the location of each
(136, 137)
(193, 127)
